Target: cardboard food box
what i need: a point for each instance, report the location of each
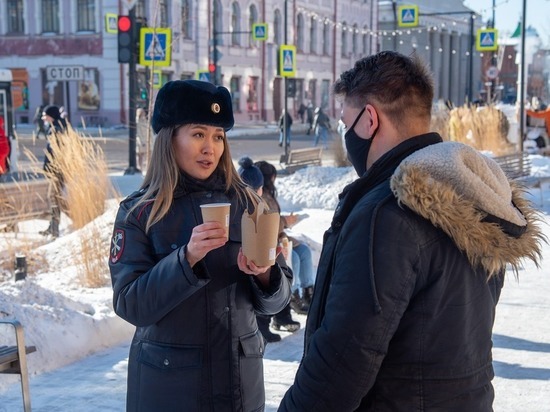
(260, 232)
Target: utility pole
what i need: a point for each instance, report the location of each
(285, 84)
(132, 85)
(522, 80)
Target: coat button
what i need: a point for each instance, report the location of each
(174, 246)
(226, 309)
(261, 350)
(209, 195)
(166, 362)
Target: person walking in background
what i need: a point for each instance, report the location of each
(414, 261)
(184, 283)
(309, 115)
(302, 112)
(253, 177)
(40, 126)
(321, 126)
(55, 125)
(143, 137)
(302, 262)
(285, 123)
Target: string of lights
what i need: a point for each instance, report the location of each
(398, 32)
(390, 34)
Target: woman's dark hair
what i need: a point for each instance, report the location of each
(270, 174)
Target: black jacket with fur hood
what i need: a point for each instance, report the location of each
(409, 276)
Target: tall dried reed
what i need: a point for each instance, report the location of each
(484, 128)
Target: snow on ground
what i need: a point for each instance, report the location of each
(81, 360)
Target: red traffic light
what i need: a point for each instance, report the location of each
(211, 67)
(124, 23)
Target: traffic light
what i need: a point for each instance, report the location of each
(212, 68)
(291, 87)
(125, 39)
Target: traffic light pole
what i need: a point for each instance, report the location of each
(132, 85)
(285, 94)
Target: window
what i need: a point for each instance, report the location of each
(218, 21)
(252, 100)
(186, 20)
(50, 16)
(300, 33)
(326, 38)
(235, 88)
(235, 24)
(163, 13)
(253, 18)
(85, 15)
(344, 44)
(313, 35)
(277, 25)
(141, 10)
(15, 17)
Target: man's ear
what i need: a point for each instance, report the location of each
(373, 118)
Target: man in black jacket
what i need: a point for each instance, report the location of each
(413, 263)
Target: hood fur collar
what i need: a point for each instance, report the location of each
(468, 196)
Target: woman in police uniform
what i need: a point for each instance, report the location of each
(192, 294)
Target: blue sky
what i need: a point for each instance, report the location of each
(508, 14)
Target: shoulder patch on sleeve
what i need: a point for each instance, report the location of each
(117, 245)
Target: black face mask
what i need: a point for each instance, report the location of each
(358, 148)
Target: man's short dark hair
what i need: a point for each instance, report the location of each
(401, 85)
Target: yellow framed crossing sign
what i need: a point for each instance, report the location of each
(486, 40)
(259, 31)
(287, 61)
(155, 47)
(407, 16)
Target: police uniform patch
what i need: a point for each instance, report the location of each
(117, 245)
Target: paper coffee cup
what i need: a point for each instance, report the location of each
(217, 212)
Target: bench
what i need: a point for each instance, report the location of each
(23, 197)
(13, 360)
(517, 166)
(299, 158)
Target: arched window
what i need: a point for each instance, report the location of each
(252, 19)
(326, 38)
(300, 32)
(277, 34)
(218, 20)
(186, 19)
(344, 45)
(235, 24)
(313, 35)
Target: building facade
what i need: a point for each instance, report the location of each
(64, 52)
(445, 39)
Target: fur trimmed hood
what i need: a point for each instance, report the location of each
(468, 196)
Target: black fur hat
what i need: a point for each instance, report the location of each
(192, 101)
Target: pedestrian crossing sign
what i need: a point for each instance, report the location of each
(155, 47)
(486, 40)
(407, 16)
(259, 31)
(287, 61)
(203, 75)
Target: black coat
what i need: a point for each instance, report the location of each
(197, 346)
(400, 319)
